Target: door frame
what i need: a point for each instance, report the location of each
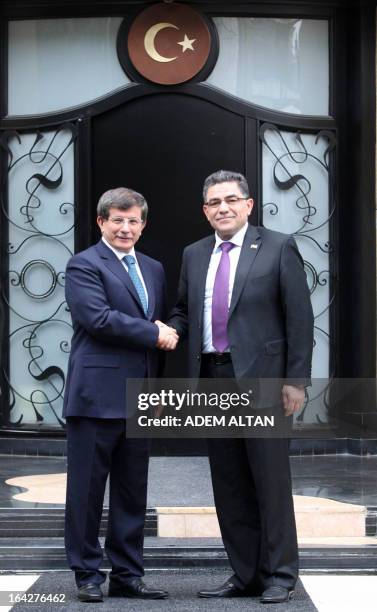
(352, 116)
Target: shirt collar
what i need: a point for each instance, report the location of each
(237, 239)
(119, 254)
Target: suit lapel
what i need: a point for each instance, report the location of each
(117, 268)
(148, 280)
(249, 250)
(204, 256)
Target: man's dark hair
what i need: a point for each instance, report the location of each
(121, 198)
(226, 176)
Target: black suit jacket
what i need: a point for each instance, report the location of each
(270, 325)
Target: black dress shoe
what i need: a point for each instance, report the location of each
(90, 593)
(135, 588)
(276, 594)
(228, 589)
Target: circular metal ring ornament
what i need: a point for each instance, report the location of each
(27, 268)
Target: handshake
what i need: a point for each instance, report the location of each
(167, 337)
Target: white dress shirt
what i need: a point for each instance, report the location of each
(120, 255)
(234, 255)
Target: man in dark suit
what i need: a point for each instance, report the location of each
(114, 295)
(244, 304)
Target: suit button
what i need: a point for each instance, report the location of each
(198, 357)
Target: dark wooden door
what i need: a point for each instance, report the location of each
(164, 146)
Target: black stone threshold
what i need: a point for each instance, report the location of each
(36, 444)
(49, 523)
(45, 554)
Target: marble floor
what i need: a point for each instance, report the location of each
(185, 481)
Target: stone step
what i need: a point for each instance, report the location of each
(42, 554)
(315, 517)
(49, 522)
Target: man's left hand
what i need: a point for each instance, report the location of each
(293, 399)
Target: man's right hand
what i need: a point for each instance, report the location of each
(167, 337)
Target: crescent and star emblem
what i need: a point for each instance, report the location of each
(149, 42)
(167, 43)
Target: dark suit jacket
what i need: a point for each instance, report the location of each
(270, 325)
(113, 339)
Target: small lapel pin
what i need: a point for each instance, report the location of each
(253, 246)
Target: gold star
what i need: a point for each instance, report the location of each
(186, 43)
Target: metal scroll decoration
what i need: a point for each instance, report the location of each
(293, 162)
(40, 223)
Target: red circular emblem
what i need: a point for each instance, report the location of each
(169, 43)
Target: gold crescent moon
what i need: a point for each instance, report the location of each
(149, 42)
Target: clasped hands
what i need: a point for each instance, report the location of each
(167, 337)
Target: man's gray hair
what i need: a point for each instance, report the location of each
(226, 176)
(121, 198)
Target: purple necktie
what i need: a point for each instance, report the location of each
(220, 300)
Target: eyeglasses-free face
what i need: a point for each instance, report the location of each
(123, 228)
(227, 209)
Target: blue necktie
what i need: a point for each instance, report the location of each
(130, 261)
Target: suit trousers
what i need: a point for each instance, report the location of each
(96, 449)
(252, 487)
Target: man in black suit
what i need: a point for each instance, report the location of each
(114, 295)
(244, 304)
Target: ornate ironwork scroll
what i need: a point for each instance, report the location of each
(299, 199)
(39, 213)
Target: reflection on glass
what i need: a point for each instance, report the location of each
(55, 64)
(281, 64)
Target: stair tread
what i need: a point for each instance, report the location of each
(151, 542)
